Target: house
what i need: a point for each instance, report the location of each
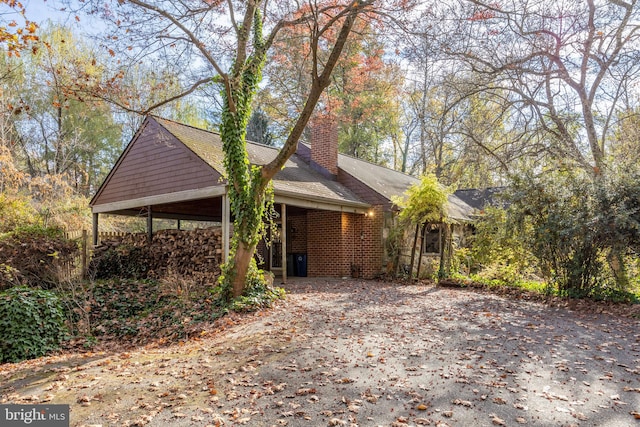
(335, 211)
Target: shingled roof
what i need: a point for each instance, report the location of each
(390, 183)
(479, 199)
(387, 182)
(295, 179)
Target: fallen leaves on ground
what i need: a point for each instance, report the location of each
(356, 354)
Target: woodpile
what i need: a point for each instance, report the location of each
(189, 254)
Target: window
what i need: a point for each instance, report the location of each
(431, 239)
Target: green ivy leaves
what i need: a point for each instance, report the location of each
(31, 323)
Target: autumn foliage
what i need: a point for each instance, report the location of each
(15, 36)
(363, 92)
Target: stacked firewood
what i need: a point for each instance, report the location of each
(193, 254)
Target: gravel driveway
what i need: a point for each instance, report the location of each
(343, 352)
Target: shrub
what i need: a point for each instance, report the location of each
(426, 203)
(15, 211)
(499, 250)
(31, 324)
(259, 292)
(581, 228)
(393, 246)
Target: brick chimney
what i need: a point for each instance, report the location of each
(324, 144)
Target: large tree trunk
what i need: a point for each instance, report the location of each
(241, 260)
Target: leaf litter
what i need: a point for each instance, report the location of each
(360, 353)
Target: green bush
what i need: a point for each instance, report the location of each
(499, 250)
(581, 228)
(31, 324)
(15, 211)
(259, 293)
(35, 231)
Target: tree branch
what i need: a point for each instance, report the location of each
(319, 84)
(232, 16)
(192, 37)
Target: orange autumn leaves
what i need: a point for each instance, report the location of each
(364, 88)
(14, 35)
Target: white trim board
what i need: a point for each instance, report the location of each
(178, 196)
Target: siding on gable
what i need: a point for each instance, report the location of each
(362, 191)
(156, 163)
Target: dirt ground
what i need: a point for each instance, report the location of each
(358, 353)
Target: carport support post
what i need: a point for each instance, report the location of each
(225, 227)
(95, 229)
(283, 217)
(149, 225)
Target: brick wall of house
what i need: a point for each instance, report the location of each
(324, 244)
(340, 244)
(297, 234)
(351, 226)
(372, 243)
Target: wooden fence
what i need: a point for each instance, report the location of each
(84, 239)
(78, 234)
